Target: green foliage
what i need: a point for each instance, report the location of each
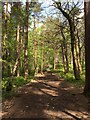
(56, 71)
(19, 81)
(69, 76)
(61, 74)
(4, 83)
(48, 39)
(32, 72)
(16, 82)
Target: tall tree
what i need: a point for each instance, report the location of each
(87, 45)
(73, 39)
(26, 42)
(36, 9)
(34, 40)
(18, 37)
(64, 52)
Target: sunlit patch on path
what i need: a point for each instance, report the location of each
(48, 97)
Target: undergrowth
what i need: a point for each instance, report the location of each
(70, 77)
(16, 82)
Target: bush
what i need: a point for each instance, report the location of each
(4, 83)
(69, 76)
(19, 81)
(16, 82)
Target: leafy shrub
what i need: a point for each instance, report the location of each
(19, 81)
(16, 82)
(4, 83)
(32, 72)
(69, 76)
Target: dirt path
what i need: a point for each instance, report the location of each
(48, 97)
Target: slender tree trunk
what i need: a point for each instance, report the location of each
(34, 42)
(63, 58)
(55, 55)
(77, 57)
(75, 67)
(26, 43)
(79, 53)
(87, 46)
(5, 31)
(18, 41)
(5, 35)
(42, 55)
(65, 52)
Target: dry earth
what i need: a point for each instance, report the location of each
(48, 97)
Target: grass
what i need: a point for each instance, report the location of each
(70, 77)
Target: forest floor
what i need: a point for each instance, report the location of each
(48, 97)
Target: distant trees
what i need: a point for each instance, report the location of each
(52, 38)
(15, 22)
(30, 42)
(70, 14)
(12, 22)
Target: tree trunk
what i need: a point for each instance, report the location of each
(65, 52)
(63, 57)
(18, 41)
(55, 58)
(26, 43)
(87, 46)
(79, 52)
(34, 43)
(42, 55)
(72, 35)
(75, 67)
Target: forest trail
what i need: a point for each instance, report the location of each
(48, 97)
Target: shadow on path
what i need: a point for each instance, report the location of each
(48, 97)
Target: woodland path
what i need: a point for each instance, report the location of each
(48, 97)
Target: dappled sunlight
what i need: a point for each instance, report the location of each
(38, 92)
(40, 75)
(66, 114)
(3, 113)
(49, 92)
(77, 114)
(34, 81)
(26, 92)
(56, 114)
(45, 59)
(69, 88)
(47, 98)
(53, 83)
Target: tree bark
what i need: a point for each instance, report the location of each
(18, 40)
(26, 43)
(87, 47)
(42, 56)
(55, 55)
(63, 57)
(65, 52)
(34, 42)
